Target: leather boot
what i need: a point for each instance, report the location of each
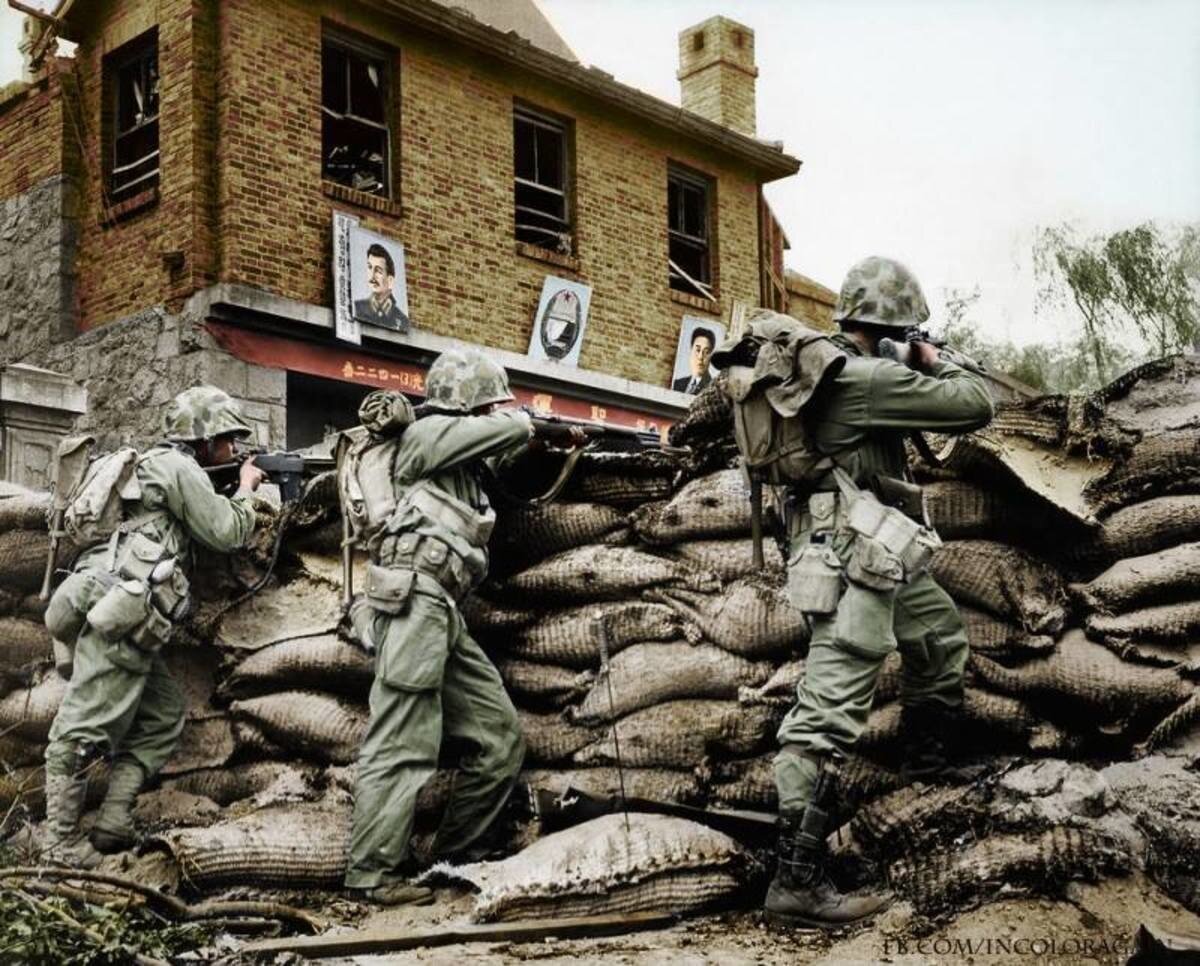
(928, 736)
(66, 788)
(802, 894)
(114, 831)
(393, 894)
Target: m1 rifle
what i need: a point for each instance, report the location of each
(902, 351)
(288, 471)
(557, 430)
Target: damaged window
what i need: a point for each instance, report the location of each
(540, 163)
(688, 233)
(355, 138)
(135, 121)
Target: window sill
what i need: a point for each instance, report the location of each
(135, 204)
(340, 192)
(539, 254)
(695, 301)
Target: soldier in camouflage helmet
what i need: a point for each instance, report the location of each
(431, 678)
(121, 702)
(861, 423)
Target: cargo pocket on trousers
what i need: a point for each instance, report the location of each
(414, 651)
(865, 623)
(129, 658)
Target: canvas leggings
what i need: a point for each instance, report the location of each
(122, 701)
(431, 679)
(846, 652)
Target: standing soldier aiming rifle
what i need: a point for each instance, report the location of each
(859, 546)
(118, 606)
(426, 520)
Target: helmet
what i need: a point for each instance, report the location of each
(464, 379)
(203, 412)
(881, 291)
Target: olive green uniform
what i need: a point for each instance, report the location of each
(121, 698)
(872, 405)
(431, 678)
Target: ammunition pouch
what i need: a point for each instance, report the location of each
(890, 548)
(149, 592)
(430, 556)
(389, 590)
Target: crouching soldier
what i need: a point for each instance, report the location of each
(431, 678)
(118, 606)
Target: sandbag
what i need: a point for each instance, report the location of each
(730, 558)
(712, 506)
(326, 728)
(234, 783)
(1164, 577)
(24, 511)
(571, 637)
(22, 644)
(1157, 466)
(753, 617)
(550, 738)
(647, 674)
(1176, 624)
(28, 712)
(1001, 639)
(543, 685)
(23, 559)
(602, 868)
(206, 742)
(1003, 580)
(779, 688)
(596, 573)
(654, 784)
(523, 536)
(323, 663)
(1144, 527)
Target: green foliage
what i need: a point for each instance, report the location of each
(35, 930)
(1136, 288)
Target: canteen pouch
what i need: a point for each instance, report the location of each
(170, 591)
(122, 608)
(153, 632)
(389, 591)
(815, 579)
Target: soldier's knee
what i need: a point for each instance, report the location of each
(509, 751)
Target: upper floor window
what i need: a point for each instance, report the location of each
(541, 165)
(134, 119)
(355, 133)
(689, 198)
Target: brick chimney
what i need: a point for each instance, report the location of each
(716, 73)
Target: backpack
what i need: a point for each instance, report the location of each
(774, 370)
(93, 507)
(364, 457)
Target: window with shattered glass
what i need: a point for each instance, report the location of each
(355, 136)
(135, 154)
(541, 182)
(688, 254)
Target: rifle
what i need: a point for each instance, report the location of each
(902, 351)
(286, 470)
(70, 464)
(557, 429)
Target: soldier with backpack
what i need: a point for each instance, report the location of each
(137, 516)
(412, 495)
(827, 417)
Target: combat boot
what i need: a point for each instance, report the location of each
(114, 831)
(802, 894)
(928, 736)
(66, 787)
(398, 893)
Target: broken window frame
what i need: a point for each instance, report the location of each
(537, 226)
(130, 177)
(690, 283)
(352, 49)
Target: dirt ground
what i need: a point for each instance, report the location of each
(1102, 917)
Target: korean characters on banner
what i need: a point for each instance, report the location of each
(560, 320)
(369, 280)
(697, 340)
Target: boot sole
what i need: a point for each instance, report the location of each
(783, 919)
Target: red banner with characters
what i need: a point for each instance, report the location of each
(353, 365)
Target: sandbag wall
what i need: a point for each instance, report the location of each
(1080, 647)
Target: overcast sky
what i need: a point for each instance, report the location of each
(942, 132)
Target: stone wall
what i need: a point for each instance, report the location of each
(38, 239)
(132, 367)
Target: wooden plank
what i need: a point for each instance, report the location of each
(393, 940)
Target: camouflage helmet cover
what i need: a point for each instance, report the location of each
(881, 291)
(203, 412)
(461, 380)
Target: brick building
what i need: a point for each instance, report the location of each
(167, 198)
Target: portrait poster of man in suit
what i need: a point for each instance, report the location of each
(378, 283)
(697, 340)
(560, 321)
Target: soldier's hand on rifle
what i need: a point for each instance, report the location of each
(925, 356)
(250, 476)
